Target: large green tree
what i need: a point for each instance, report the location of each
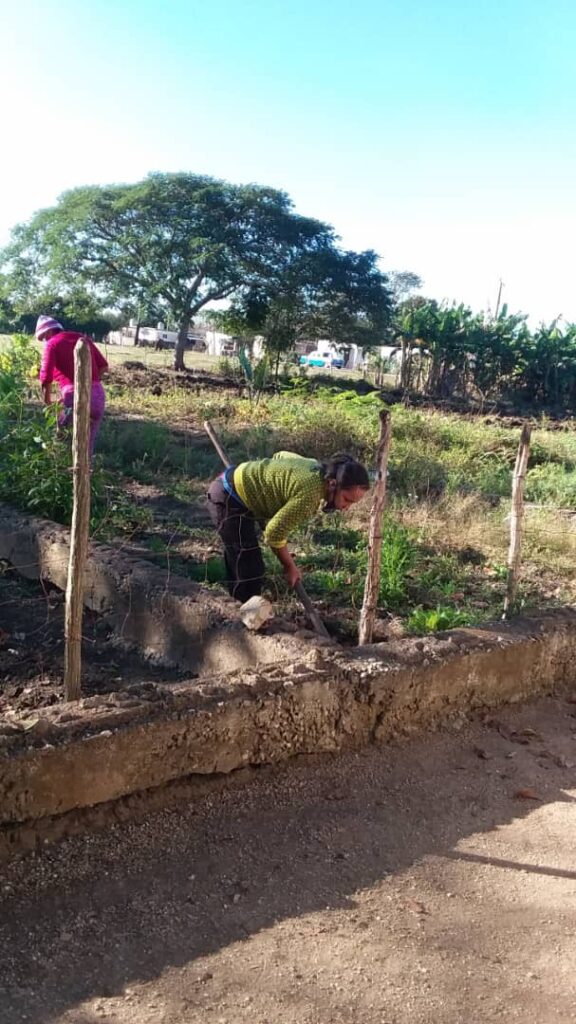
(20, 309)
(177, 242)
(402, 283)
(324, 293)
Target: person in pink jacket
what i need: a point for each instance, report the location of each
(58, 365)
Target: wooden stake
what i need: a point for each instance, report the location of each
(372, 585)
(516, 519)
(80, 520)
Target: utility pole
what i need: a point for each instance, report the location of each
(500, 287)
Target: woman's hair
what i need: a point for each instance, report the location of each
(346, 471)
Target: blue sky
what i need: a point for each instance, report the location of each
(439, 134)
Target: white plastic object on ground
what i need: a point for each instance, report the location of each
(255, 612)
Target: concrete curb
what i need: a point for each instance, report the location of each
(165, 615)
(103, 748)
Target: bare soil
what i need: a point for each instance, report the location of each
(429, 884)
(135, 374)
(32, 649)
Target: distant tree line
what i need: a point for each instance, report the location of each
(449, 350)
(174, 246)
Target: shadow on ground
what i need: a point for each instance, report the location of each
(97, 914)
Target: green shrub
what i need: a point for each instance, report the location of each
(34, 464)
(19, 366)
(327, 583)
(399, 553)
(551, 484)
(35, 470)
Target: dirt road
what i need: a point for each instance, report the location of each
(431, 884)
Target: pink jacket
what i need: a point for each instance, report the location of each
(58, 359)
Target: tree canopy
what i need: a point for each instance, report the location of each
(331, 294)
(449, 350)
(179, 242)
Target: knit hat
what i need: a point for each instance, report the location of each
(46, 323)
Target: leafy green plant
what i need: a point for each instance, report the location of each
(398, 559)
(328, 583)
(19, 365)
(443, 573)
(129, 446)
(498, 570)
(399, 553)
(337, 536)
(34, 464)
(432, 620)
(255, 373)
(228, 367)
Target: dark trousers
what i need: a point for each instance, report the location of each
(236, 528)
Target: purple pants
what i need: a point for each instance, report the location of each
(97, 406)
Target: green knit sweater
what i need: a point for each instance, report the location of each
(285, 491)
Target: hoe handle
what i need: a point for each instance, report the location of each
(312, 613)
(213, 437)
(299, 588)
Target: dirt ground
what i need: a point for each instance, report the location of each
(433, 883)
(32, 649)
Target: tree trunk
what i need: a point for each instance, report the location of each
(433, 385)
(420, 372)
(404, 363)
(181, 344)
(137, 335)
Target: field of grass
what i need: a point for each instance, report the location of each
(446, 531)
(118, 354)
(163, 359)
(446, 528)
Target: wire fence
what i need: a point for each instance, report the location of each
(541, 522)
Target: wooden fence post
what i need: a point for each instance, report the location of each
(80, 520)
(372, 585)
(516, 518)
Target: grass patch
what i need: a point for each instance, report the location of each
(445, 534)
